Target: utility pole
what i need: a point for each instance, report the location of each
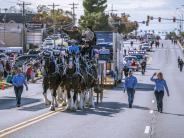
(53, 18)
(23, 4)
(112, 10)
(4, 20)
(73, 11)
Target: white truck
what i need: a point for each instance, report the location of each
(110, 57)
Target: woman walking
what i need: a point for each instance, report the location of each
(160, 85)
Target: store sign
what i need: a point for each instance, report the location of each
(104, 51)
(104, 54)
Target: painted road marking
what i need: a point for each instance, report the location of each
(153, 101)
(147, 130)
(151, 111)
(29, 122)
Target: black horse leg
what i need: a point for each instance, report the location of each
(47, 102)
(75, 99)
(52, 107)
(54, 94)
(68, 98)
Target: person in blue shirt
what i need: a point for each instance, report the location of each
(73, 49)
(160, 85)
(130, 86)
(18, 81)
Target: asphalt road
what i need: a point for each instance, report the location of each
(112, 118)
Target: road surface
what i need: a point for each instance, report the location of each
(112, 118)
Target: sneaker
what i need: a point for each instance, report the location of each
(130, 106)
(18, 105)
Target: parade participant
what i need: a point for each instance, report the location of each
(178, 61)
(160, 84)
(133, 63)
(8, 67)
(130, 85)
(126, 70)
(1, 70)
(29, 72)
(131, 43)
(74, 34)
(90, 41)
(18, 82)
(125, 51)
(143, 66)
(181, 63)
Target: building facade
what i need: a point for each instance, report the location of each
(11, 30)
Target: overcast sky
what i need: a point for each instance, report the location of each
(138, 9)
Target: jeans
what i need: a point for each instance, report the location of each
(131, 93)
(159, 98)
(18, 93)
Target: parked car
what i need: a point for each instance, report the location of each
(146, 47)
(33, 52)
(25, 58)
(3, 56)
(127, 60)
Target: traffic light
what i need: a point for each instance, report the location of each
(159, 19)
(174, 19)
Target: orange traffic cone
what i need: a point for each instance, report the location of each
(2, 86)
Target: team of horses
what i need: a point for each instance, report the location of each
(71, 78)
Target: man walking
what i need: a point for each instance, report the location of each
(130, 85)
(143, 66)
(181, 63)
(18, 82)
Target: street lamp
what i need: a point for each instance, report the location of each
(181, 10)
(4, 21)
(181, 18)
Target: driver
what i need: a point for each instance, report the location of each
(74, 34)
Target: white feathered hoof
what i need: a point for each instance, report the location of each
(64, 103)
(56, 105)
(74, 110)
(92, 106)
(52, 108)
(81, 108)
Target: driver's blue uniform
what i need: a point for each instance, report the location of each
(73, 49)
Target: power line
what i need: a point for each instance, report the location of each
(73, 11)
(23, 4)
(112, 10)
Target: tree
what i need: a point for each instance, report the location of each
(99, 21)
(94, 15)
(95, 6)
(46, 16)
(124, 25)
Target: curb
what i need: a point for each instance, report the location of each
(182, 48)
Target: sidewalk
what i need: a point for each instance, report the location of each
(181, 46)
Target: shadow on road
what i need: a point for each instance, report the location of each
(34, 107)
(10, 102)
(140, 87)
(181, 115)
(107, 109)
